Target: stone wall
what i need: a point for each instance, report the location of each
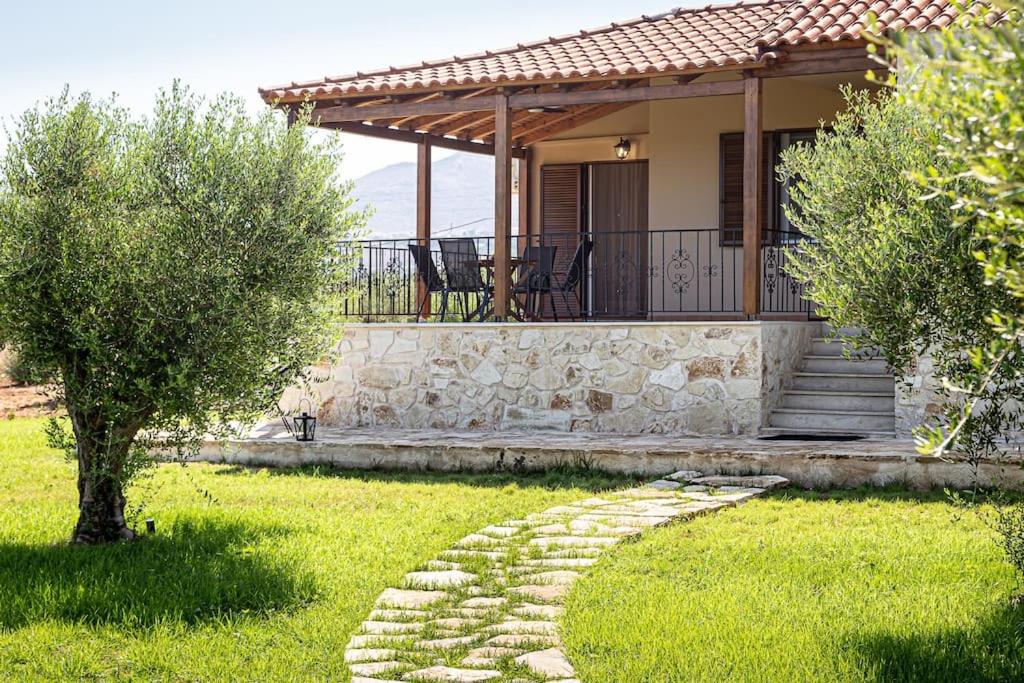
(664, 377)
(917, 397)
(785, 344)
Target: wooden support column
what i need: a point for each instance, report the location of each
(502, 205)
(524, 200)
(752, 165)
(423, 150)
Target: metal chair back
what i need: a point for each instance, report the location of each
(426, 271)
(537, 274)
(462, 264)
(578, 265)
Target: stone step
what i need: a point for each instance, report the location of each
(855, 421)
(817, 433)
(839, 400)
(831, 331)
(845, 381)
(838, 364)
(826, 346)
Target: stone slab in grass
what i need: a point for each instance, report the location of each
(450, 674)
(763, 481)
(448, 578)
(549, 663)
(409, 599)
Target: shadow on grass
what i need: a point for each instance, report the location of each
(553, 479)
(991, 651)
(192, 573)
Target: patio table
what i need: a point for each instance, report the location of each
(514, 263)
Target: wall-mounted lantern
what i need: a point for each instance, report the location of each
(622, 148)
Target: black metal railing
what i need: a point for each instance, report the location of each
(603, 275)
(780, 292)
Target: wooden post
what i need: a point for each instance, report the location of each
(524, 200)
(293, 115)
(502, 205)
(752, 165)
(423, 214)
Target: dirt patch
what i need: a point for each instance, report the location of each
(21, 400)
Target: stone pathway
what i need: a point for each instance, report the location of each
(485, 610)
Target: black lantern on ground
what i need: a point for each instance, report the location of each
(304, 424)
(622, 148)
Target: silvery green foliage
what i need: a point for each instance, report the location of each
(171, 273)
(970, 81)
(889, 255)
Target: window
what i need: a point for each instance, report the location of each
(774, 195)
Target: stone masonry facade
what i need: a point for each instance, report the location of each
(664, 377)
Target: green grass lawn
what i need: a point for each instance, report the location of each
(253, 574)
(855, 586)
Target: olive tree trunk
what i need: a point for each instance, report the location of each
(101, 461)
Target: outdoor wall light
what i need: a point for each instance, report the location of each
(622, 148)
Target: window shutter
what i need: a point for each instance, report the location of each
(730, 188)
(562, 219)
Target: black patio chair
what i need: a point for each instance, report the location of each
(574, 277)
(462, 269)
(428, 274)
(536, 278)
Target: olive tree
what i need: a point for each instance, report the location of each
(170, 274)
(886, 255)
(969, 80)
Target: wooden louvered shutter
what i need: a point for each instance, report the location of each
(730, 189)
(561, 218)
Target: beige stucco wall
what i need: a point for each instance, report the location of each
(680, 138)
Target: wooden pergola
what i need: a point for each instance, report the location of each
(505, 120)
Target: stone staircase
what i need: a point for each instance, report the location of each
(832, 395)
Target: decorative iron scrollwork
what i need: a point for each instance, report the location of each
(680, 271)
(771, 269)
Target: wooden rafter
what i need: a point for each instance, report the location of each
(469, 122)
(431, 123)
(579, 119)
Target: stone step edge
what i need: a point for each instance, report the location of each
(839, 392)
(801, 431)
(817, 411)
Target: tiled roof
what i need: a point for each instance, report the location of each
(679, 40)
(817, 21)
(676, 41)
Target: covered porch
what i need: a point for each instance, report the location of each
(627, 186)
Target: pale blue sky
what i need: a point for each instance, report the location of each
(134, 47)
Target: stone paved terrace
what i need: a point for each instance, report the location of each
(486, 609)
(811, 464)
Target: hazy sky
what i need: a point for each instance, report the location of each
(134, 47)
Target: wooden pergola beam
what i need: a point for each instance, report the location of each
(798, 64)
(416, 138)
(620, 95)
(401, 110)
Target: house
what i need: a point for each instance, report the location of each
(644, 155)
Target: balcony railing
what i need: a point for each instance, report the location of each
(608, 275)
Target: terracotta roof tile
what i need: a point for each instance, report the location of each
(679, 40)
(816, 21)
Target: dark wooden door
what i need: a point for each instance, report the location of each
(618, 226)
